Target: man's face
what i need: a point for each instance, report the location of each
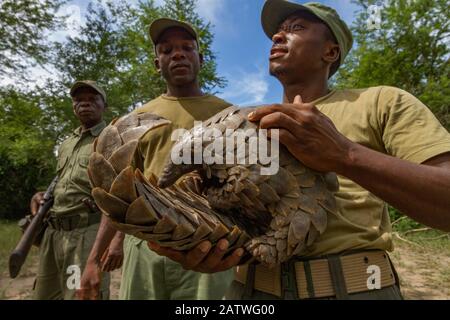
(88, 106)
(178, 58)
(299, 47)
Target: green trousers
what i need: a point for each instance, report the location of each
(148, 276)
(62, 258)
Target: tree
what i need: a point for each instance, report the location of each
(409, 50)
(26, 150)
(113, 48)
(96, 53)
(23, 27)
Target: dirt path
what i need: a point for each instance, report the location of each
(423, 274)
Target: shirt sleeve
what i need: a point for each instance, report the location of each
(152, 150)
(410, 131)
(137, 160)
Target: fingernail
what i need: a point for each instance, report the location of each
(204, 247)
(223, 245)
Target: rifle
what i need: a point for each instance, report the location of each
(20, 253)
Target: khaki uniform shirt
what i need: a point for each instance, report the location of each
(387, 120)
(73, 183)
(154, 147)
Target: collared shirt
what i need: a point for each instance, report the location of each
(73, 182)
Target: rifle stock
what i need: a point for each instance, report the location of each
(20, 253)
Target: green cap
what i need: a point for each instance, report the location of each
(276, 12)
(90, 84)
(158, 26)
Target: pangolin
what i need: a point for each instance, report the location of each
(274, 215)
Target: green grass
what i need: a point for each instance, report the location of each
(432, 239)
(9, 236)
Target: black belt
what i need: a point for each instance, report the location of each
(69, 223)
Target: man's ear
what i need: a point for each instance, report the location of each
(332, 53)
(157, 65)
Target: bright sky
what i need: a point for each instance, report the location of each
(241, 47)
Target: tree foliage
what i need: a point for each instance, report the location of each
(23, 27)
(111, 47)
(26, 150)
(409, 50)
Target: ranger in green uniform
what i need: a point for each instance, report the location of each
(385, 145)
(146, 275)
(73, 218)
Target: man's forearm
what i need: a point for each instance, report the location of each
(104, 236)
(419, 191)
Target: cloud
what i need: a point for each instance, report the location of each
(73, 21)
(345, 9)
(211, 10)
(246, 88)
(36, 76)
